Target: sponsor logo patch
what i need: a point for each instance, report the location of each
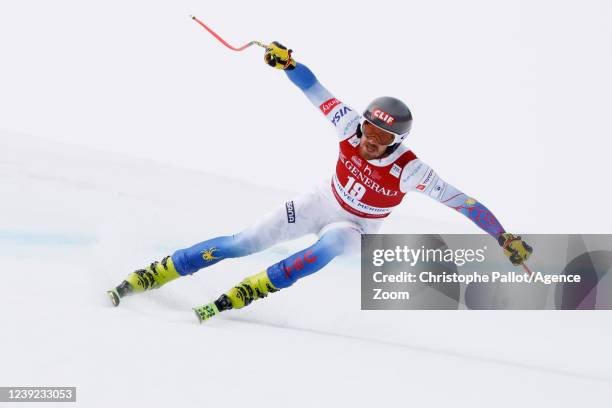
(298, 263)
(384, 116)
(290, 212)
(426, 180)
(354, 141)
(395, 170)
(208, 254)
(340, 114)
(329, 105)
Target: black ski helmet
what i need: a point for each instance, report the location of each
(392, 115)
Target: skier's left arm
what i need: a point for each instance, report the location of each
(418, 176)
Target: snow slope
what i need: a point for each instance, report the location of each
(76, 221)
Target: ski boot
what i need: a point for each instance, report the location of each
(153, 277)
(252, 288)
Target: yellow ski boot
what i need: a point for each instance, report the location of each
(252, 288)
(154, 276)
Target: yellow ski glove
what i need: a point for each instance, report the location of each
(279, 57)
(515, 248)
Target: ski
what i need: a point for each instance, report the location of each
(114, 297)
(120, 291)
(205, 312)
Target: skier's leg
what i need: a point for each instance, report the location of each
(336, 241)
(209, 252)
(277, 226)
(342, 238)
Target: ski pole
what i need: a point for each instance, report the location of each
(526, 268)
(218, 37)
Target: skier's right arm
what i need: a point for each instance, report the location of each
(343, 117)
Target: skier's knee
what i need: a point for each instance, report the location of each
(342, 237)
(333, 241)
(245, 243)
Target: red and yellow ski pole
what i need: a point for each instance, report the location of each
(218, 37)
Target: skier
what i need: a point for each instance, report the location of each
(373, 173)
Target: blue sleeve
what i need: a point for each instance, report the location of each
(302, 76)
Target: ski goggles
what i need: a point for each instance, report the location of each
(387, 139)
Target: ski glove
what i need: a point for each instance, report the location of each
(515, 248)
(279, 57)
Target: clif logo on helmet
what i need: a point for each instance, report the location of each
(384, 116)
(391, 115)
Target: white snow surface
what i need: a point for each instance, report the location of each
(511, 104)
(75, 221)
